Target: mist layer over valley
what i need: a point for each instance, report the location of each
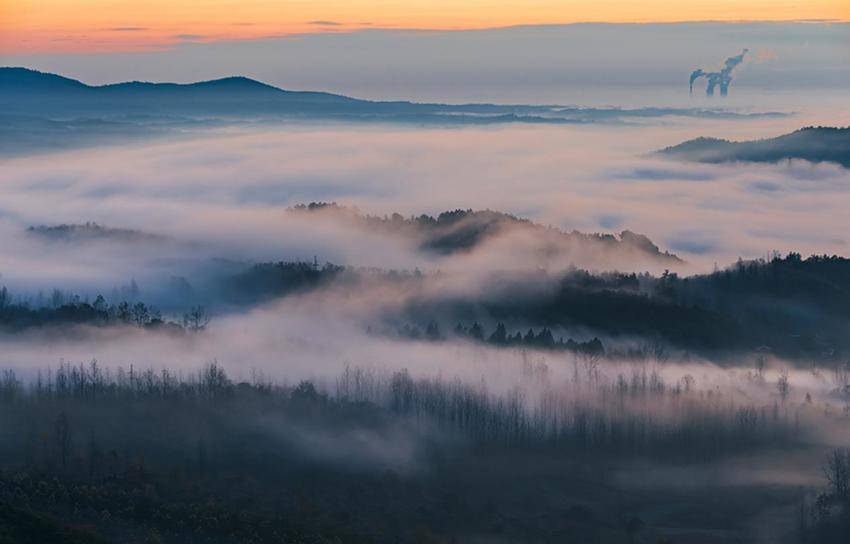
(421, 329)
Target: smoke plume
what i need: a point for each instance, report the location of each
(722, 78)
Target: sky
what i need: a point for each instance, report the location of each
(64, 26)
(586, 64)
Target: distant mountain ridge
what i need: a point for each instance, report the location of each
(13, 78)
(36, 92)
(29, 92)
(25, 86)
(814, 144)
(43, 112)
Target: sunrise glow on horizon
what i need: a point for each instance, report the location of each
(57, 26)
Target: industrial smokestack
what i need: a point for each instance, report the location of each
(732, 62)
(695, 75)
(713, 80)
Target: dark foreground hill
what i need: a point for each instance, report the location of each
(92, 455)
(814, 144)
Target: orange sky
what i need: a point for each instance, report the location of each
(30, 26)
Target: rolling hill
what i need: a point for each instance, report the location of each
(814, 144)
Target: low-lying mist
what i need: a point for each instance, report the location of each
(489, 324)
(229, 192)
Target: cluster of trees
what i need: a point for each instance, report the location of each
(463, 229)
(614, 312)
(604, 419)
(159, 456)
(92, 231)
(793, 307)
(826, 519)
(264, 281)
(543, 339)
(64, 309)
(818, 279)
(637, 413)
(140, 456)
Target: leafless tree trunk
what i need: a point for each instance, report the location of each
(63, 438)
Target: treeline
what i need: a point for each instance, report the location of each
(141, 456)
(790, 306)
(617, 306)
(246, 285)
(542, 339)
(635, 411)
(160, 456)
(463, 229)
(64, 309)
(92, 231)
(796, 307)
(264, 281)
(819, 280)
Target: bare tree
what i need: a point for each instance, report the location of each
(688, 381)
(658, 351)
(783, 386)
(841, 377)
(761, 364)
(63, 437)
(591, 363)
(140, 313)
(5, 297)
(196, 319)
(837, 473)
